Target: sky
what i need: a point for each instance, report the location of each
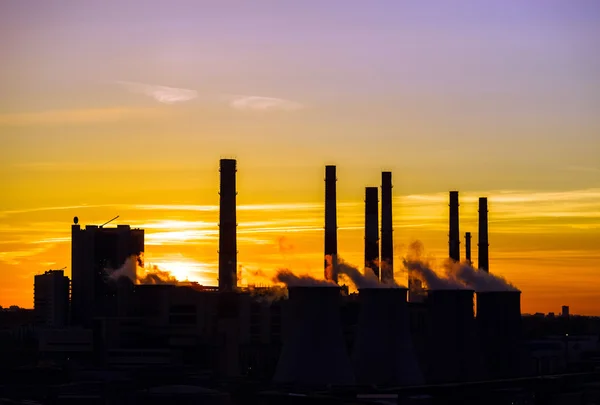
(125, 108)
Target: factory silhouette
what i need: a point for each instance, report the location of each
(444, 331)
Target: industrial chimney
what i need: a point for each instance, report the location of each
(454, 241)
(468, 247)
(500, 332)
(483, 235)
(331, 250)
(387, 241)
(227, 227)
(313, 351)
(452, 343)
(383, 351)
(372, 229)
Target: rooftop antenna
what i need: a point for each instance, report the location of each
(108, 222)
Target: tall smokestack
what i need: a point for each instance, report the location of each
(468, 246)
(454, 232)
(227, 227)
(331, 249)
(372, 229)
(387, 241)
(483, 235)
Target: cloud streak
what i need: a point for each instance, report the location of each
(257, 103)
(162, 94)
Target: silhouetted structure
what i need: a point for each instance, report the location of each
(372, 229)
(500, 332)
(331, 249)
(454, 236)
(468, 247)
(452, 353)
(383, 350)
(387, 241)
(313, 351)
(94, 250)
(51, 299)
(483, 245)
(227, 227)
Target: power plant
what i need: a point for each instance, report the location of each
(383, 350)
(314, 333)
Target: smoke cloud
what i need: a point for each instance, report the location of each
(288, 278)
(368, 279)
(420, 269)
(478, 280)
(134, 270)
(285, 246)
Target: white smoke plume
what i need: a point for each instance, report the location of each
(288, 278)
(368, 279)
(421, 269)
(134, 270)
(478, 280)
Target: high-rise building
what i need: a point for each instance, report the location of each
(94, 250)
(51, 299)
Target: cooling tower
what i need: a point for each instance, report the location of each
(227, 227)
(500, 332)
(483, 235)
(330, 223)
(387, 241)
(313, 351)
(468, 247)
(372, 229)
(383, 351)
(452, 345)
(454, 236)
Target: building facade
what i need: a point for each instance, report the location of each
(96, 250)
(51, 299)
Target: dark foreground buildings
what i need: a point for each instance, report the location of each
(95, 250)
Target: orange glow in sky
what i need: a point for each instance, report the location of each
(125, 108)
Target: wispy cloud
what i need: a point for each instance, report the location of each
(75, 116)
(162, 94)
(257, 103)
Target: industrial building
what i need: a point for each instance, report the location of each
(51, 299)
(94, 250)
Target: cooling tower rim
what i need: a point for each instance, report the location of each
(386, 288)
(469, 290)
(313, 287)
(498, 292)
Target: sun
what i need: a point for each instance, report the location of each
(184, 270)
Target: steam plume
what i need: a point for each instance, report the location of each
(366, 280)
(288, 278)
(421, 269)
(134, 270)
(480, 281)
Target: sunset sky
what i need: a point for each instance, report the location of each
(125, 108)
